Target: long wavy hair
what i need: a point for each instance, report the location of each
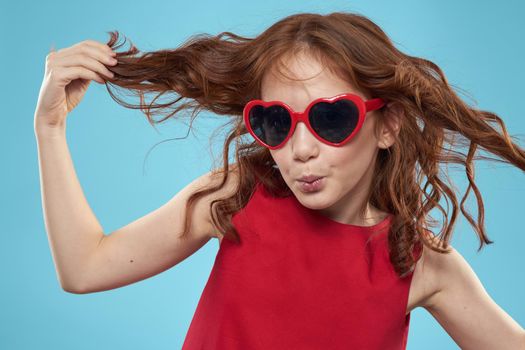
(222, 73)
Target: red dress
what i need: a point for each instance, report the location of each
(300, 280)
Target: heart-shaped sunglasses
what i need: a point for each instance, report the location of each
(333, 120)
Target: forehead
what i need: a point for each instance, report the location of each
(306, 79)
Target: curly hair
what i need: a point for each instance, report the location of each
(222, 73)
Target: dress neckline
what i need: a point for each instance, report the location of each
(328, 221)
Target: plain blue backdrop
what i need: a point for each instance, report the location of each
(478, 44)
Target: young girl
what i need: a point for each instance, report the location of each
(323, 219)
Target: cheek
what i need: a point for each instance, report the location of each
(285, 166)
(351, 161)
(276, 156)
(280, 160)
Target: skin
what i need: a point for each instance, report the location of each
(89, 261)
(348, 169)
(444, 284)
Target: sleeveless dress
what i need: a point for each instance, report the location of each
(300, 280)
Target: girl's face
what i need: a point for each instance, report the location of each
(347, 170)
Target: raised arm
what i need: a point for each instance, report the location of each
(72, 229)
(88, 261)
(151, 244)
(85, 259)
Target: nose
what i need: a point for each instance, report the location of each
(304, 144)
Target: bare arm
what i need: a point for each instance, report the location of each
(88, 261)
(464, 308)
(73, 231)
(85, 259)
(152, 243)
(72, 228)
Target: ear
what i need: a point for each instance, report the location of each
(392, 115)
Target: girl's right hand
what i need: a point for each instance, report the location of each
(67, 76)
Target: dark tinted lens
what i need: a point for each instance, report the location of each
(270, 124)
(334, 121)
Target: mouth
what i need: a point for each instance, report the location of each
(316, 184)
(309, 178)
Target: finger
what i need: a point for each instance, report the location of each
(94, 52)
(86, 62)
(69, 74)
(99, 45)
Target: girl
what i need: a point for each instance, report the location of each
(323, 219)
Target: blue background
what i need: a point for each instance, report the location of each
(479, 45)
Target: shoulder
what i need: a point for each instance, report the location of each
(463, 307)
(438, 272)
(213, 179)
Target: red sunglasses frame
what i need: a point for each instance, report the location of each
(362, 106)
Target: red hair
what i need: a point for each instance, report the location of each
(222, 73)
